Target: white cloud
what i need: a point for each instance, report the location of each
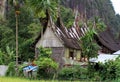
(116, 4)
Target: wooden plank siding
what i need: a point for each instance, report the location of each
(58, 54)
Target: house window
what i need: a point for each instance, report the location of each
(71, 55)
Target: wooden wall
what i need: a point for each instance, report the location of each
(58, 54)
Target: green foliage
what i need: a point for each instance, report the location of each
(7, 56)
(39, 7)
(24, 19)
(73, 73)
(46, 63)
(11, 69)
(5, 40)
(92, 73)
(47, 67)
(25, 52)
(1, 58)
(34, 29)
(28, 29)
(20, 69)
(67, 16)
(45, 52)
(89, 46)
(105, 71)
(67, 73)
(99, 24)
(26, 32)
(110, 70)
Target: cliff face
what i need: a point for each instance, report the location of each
(100, 8)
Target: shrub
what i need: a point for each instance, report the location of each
(47, 67)
(108, 71)
(45, 52)
(66, 73)
(7, 56)
(20, 69)
(72, 73)
(11, 69)
(1, 58)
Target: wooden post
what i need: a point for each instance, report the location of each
(16, 15)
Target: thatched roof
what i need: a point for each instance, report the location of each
(70, 37)
(107, 39)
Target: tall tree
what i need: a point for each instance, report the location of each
(41, 7)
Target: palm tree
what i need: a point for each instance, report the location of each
(42, 8)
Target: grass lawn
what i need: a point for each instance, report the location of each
(13, 79)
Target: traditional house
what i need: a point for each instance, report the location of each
(63, 42)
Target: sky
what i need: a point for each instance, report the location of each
(116, 5)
